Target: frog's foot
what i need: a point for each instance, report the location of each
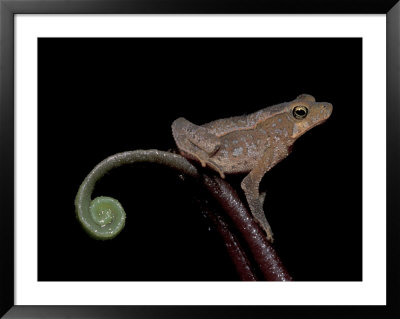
(270, 235)
(203, 163)
(216, 168)
(259, 216)
(265, 226)
(209, 163)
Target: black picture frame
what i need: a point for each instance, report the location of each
(8, 10)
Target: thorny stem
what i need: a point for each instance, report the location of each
(103, 218)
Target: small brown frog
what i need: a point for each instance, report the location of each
(251, 143)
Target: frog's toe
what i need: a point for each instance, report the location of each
(216, 168)
(268, 231)
(203, 163)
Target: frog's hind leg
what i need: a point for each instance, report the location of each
(197, 142)
(199, 136)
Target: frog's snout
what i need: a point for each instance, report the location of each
(327, 109)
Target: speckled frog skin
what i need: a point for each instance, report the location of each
(251, 143)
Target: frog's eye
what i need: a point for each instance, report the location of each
(300, 112)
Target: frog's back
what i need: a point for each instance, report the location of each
(244, 122)
(239, 151)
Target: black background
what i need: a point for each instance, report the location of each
(98, 97)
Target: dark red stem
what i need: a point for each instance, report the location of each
(235, 250)
(265, 256)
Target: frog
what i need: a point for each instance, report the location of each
(250, 144)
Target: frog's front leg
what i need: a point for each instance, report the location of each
(197, 142)
(250, 186)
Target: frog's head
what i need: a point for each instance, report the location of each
(305, 113)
